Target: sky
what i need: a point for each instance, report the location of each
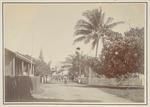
(29, 28)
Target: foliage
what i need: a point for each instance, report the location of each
(41, 56)
(123, 55)
(94, 27)
(77, 63)
(135, 38)
(71, 64)
(41, 67)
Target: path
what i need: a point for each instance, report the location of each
(77, 92)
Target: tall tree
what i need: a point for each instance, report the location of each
(94, 27)
(72, 63)
(41, 55)
(49, 63)
(123, 55)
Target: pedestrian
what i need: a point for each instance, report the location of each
(65, 80)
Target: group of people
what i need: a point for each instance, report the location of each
(60, 79)
(45, 79)
(54, 79)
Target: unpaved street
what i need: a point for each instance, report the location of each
(76, 92)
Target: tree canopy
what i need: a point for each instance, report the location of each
(94, 27)
(123, 55)
(42, 68)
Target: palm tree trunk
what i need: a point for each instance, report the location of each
(103, 42)
(90, 76)
(97, 45)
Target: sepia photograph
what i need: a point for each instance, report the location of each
(74, 52)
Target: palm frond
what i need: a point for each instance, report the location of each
(69, 59)
(109, 20)
(81, 38)
(114, 24)
(92, 36)
(96, 17)
(83, 24)
(71, 56)
(90, 16)
(102, 18)
(82, 32)
(87, 40)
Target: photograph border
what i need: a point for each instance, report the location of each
(78, 103)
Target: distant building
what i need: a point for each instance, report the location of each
(17, 64)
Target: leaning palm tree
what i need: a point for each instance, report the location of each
(94, 27)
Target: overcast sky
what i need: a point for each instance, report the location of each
(28, 28)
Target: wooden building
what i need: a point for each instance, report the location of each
(17, 64)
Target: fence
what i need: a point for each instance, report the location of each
(35, 82)
(114, 82)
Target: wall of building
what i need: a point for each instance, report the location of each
(9, 64)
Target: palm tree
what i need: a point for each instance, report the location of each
(94, 27)
(71, 62)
